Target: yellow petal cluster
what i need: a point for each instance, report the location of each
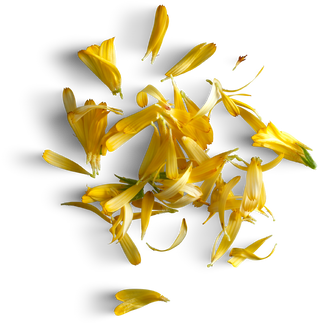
(136, 298)
(89, 124)
(101, 60)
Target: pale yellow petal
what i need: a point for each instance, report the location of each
(69, 100)
(182, 234)
(63, 162)
(172, 163)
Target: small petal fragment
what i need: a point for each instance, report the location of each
(239, 61)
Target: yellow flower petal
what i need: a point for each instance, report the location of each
(176, 187)
(182, 234)
(123, 198)
(63, 162)
(88, 207)
(102, 192)
(146, 209)
(232, 229)
(142, 99)
(130, 250)
(172, 163)
(136, 298)
(158, 32)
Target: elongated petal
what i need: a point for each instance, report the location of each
(154, 92)
(232, 229)
(272, 164)
(194, 151)
(182, 234)
(252, 120)
(117, 140)
(222, 202)
(176, 187)
(158, 32)
(130, 250)
(107, 50)
(210, 103)
(124, 197)
(69, 100)
(103, 192)
(63, 162)
(136, 298)
(88, 207)
(172, 163)
(151, 151)
(146, 209)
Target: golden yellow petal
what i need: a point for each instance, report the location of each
(130, 250)
(142, 99)
(124, 197)
(158, 31)
(107, 50)
(176, 187)
(272, 164)
(88, 207)
(154, 92)
(117, 140)
(254, 179)
(252, 120)
(194, 151)
(172, 163)
(63, 162)
(102, 192)
(146, 209)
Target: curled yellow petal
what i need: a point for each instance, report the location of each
(182, 234)
(62, 162)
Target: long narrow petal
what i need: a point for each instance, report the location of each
(272, 164)
(182, 234)
(88, 207)
(123, 198)
(69, 100)
(136, 298)
(222, 202)
(172, 163)
(130, 250)
(158, 31)
(62, 162)
(151, 151)
(232, 229)
(210, 103)
(146, 209)
(176, 187)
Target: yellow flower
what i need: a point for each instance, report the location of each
(194, 58)
(101, 60)
(125, 242)
(136, 298)
(63, 162)
(158, 32)
(281, 142)
(239, 255)
(89, 123)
